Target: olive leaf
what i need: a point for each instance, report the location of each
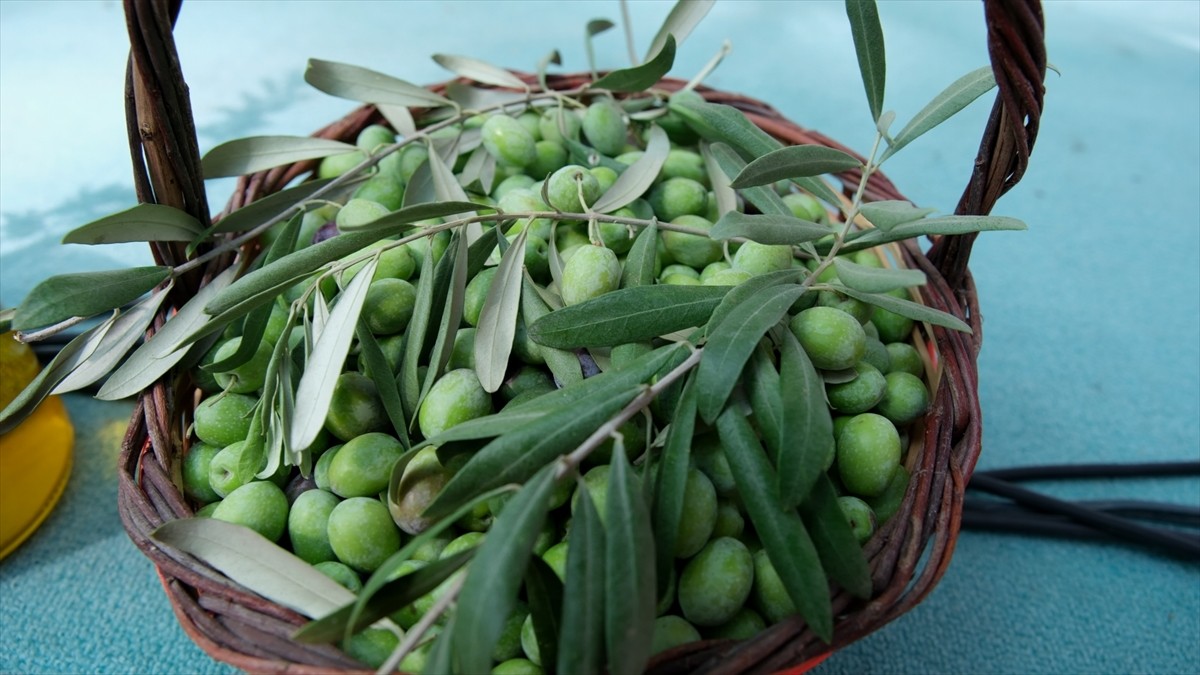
(570, 418)
(456, 260)
(732, 341)
(447, 189)
(497, 324)
(581, 640)
(794, 161)
(85, 294)
(433, 282)
(477, 98)
(315, 390)
(544, 590)
(638, 178)
(788, 545)
(627, 315)
(380, 372)
(420, 186)
(763, 197)
(400, 117)
(516, 455)
(819, 189)
(255, 325)
(144, 222)
(74, 353)
(121, 336)
(638, 269)
(630, 588)
(562, 364)
(333, 624)
(259, 153)
(887, 214)
(806, 432)
(255, 562)
(494, 578)
(165, 348)
(640, 78)
(368, 86)
(840, 553)
(876, 279)
(913, 310)
(552, 58)
(768, 229)
(942, 225)
(766, 400)
(264, 284)
(868, 45)
(682, 19)
(725, 196)
(945, 105)
(741, 294)
(717, 122)
(594, 28)
(272, 206)
(480, 71)
(589, 157)
(413, 213)
(441, 659)
(480, 168)
(670, 481)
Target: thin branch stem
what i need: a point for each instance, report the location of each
(34, 336)
(414, 634)
(639, 403)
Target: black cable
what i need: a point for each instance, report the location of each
(1071, 471)
(1107, 522)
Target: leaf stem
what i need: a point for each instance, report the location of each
(869, 168)
(639, 403)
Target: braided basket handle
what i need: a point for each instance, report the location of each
(1017, 47)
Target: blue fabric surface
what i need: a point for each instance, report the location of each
(1092, 317)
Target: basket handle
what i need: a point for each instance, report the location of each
(162, 132)
(1016, 45)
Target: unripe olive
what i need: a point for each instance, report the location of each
(508, 141)
(559, 123)
(455, 398)
(868, 452)
(563, 188)
(700, 514)
(605, 127)
(591, 272)
(833, 339)
(715, 584)
(860, 394)
(694, 250)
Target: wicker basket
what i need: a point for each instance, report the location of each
(907, 556)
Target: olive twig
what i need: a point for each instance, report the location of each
(639, 403)
(414, 634)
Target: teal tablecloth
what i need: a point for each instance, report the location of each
(1092, 349)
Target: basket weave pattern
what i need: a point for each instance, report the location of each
(239, 627)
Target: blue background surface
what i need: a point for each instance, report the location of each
(1092, 317)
